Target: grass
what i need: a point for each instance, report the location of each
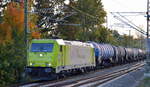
(145, 82)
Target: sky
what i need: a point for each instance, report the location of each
(126, 6)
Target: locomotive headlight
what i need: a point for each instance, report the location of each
(49, 64)
(41, 55)
(31, 64)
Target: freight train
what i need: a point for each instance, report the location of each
(54, 57)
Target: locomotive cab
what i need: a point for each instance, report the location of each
(42, 57)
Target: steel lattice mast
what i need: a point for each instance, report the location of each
(148, 21)
(26, 27)
(147, 74)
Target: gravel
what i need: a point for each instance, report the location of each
(92, 74)
(99, 72)
(96, 73)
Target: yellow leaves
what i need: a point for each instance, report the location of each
(14, 15)
(36, 35)
(5, 33)
(13, 21)
(32, 26)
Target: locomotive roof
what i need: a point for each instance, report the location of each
(65, 42)
(77, 43)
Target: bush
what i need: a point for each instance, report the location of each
(12, 63)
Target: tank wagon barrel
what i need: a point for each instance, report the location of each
(104, 53)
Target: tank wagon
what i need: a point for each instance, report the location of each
(104, 53)
(107, 54)
(129, 54)
(141, 54)
(50, 57)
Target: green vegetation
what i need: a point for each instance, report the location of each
(145, 82)
(89, 16)
(12, 63)
(12, 49)
(124, 40)
(12, 46)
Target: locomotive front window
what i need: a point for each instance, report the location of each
(41, 47)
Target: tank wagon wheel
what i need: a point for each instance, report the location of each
(114, 61)
(100, 61)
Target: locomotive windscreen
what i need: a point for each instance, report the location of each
(41, 47)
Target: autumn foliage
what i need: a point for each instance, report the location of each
(36, 35)
(12, 46)
(13, 21)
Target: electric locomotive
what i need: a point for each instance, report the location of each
(47, 57)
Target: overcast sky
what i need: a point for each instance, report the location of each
(126, 6)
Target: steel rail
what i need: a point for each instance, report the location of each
(104, 78)
(101, 78)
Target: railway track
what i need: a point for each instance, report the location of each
(104, 78)
(95, 80)
(91, 81)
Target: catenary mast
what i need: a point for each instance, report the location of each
(148, 40)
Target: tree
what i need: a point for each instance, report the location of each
(12, 47)
(77, 19)
(49, 14)
(90, 15)
(13, 22)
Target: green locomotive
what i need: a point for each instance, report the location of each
(47, 57)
